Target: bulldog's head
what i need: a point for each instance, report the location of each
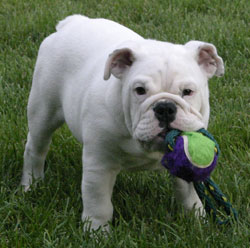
(164, 86)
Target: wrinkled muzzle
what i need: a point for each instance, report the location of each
(147, 125)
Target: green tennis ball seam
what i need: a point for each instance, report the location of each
(199, 159)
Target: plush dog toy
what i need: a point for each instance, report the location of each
(190, 155)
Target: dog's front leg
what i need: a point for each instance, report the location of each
(185, 192)
(97, 187)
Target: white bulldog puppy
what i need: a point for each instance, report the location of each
(119, 94)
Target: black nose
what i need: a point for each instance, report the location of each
(165, 112)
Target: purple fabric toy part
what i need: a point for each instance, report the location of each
(192, 156)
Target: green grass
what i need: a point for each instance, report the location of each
(145, 214)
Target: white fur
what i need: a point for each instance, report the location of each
(85, 75)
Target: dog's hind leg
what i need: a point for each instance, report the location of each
(43, 119)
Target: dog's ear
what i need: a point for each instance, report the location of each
(207, 58)
(118, 62)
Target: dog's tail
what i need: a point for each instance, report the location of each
(68, 20)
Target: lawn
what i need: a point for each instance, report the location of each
(145, 211)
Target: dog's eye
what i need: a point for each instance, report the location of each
(187, 92)
(140, 91)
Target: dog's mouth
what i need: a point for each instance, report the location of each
(164, 132)
(157, 143)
